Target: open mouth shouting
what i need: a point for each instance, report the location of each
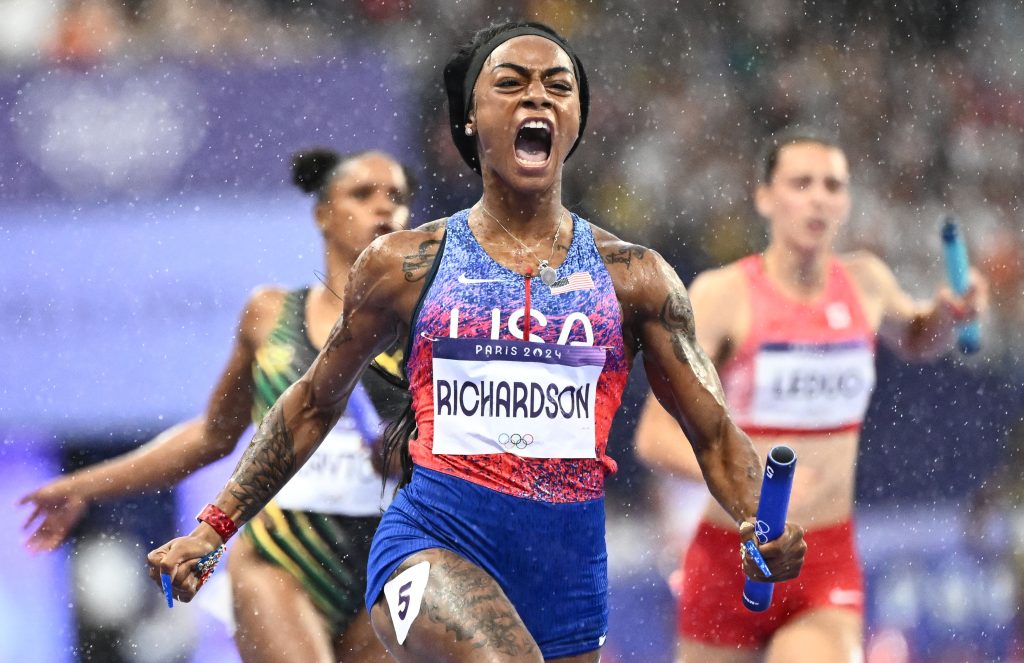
(533, 143)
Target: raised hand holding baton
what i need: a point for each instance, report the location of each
(771, 520)
(958, 271)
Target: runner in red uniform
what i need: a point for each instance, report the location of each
(792, 332)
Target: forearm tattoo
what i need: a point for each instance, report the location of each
(270, 460)
(625, 255)
(418, 264)
(469, 604)
(677, 317)
(266, 466)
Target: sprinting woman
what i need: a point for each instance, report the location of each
(522, 321)
(792, 332)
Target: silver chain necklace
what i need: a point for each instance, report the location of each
(547, 273)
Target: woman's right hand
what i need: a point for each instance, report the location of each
(178, 558)
(60, 504)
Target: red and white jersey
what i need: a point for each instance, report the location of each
(804, 368)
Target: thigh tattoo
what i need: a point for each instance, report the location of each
(464, 601)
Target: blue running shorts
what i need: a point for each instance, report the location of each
(549, 558)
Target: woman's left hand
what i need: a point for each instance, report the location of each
(967, 307)
(783, 556)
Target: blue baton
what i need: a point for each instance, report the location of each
(957, 269)
(365, 416)
(771, 518)
(165, 581)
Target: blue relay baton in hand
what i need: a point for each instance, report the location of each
(365, 416)
(771, 519)
(957, 269)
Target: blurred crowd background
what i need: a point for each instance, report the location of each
(143, 192)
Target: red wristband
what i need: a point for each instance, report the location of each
(218, 520)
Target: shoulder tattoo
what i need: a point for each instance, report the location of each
(624, 255)
(416, 265)
(433, 226)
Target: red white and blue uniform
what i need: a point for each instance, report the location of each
(510, 455)
(803, 369)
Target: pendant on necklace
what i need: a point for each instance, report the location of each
(547, 274)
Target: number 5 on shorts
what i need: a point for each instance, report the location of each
(404, 594)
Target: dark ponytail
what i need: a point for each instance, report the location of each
(312, 169)
(395, 449)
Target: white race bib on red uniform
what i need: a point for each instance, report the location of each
(812, 386)
(535, 400)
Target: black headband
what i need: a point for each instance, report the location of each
(482, 53)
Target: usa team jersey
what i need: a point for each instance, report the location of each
(526, 417)
(803, 368)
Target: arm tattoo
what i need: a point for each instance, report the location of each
(416, 265)
(625, 255)
(266, 466)
(270, 460)
(677, 318)
(433, 226)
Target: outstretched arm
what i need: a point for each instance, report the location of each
(659, 440)
(659, 321)
(294, 427)
(686, 384)
(915, 329)
(164, 461)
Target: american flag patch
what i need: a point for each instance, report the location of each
(577, 281)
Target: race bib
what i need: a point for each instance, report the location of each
(812, 386)
(534, 400)
(339, 478)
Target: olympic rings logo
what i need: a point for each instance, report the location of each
(515, 440)
(761, 531)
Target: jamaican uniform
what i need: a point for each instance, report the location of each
(320, 525)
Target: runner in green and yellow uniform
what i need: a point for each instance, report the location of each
(299, 570)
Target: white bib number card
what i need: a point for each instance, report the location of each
(534, 400)
(812, 386)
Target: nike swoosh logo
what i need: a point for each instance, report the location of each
(465, 279)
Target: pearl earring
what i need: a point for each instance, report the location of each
(469, 130)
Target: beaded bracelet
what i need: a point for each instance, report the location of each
(207, 563)
(221, 522)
